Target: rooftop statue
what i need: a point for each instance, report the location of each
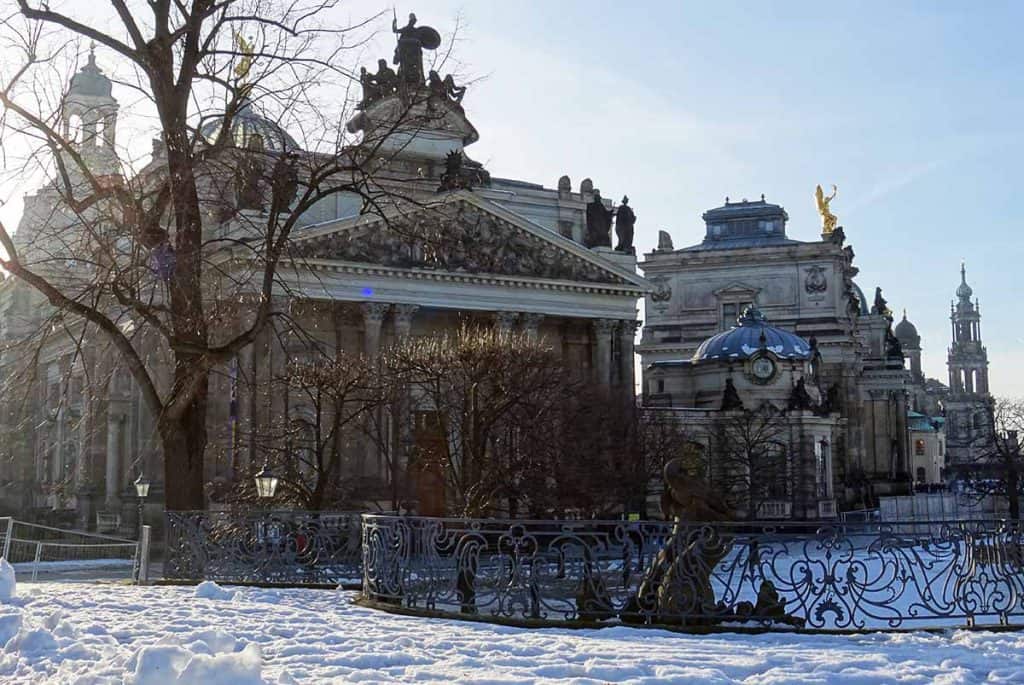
(881, 306)
(599, 223)
(828, 219)
(412, 41)
(381, 84)
(624, 222)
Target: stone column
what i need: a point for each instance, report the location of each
(505, 321)
(112, 498)
(373, 317)
(403, 319)
(531, 324)
(401, 433)
(602, 350)
(627, 334)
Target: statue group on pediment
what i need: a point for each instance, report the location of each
(412, 41)
(458, 240)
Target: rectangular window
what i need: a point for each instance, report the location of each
(728, 315)
(919, 448)
(822, 455)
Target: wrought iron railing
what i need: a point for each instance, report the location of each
(291, 547)
(791, 576)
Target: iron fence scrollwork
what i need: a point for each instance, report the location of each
(291, 547)
(786, 576)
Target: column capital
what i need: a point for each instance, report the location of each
(627, 327)
(603, 326)
(531, 320)
(374, 311)
(405, 312)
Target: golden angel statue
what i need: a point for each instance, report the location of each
(245, 63)
(828, 219)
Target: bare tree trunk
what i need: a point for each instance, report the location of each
(184, 444)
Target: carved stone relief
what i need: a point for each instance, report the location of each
(455, 238)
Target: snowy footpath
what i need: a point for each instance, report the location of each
(105, 633)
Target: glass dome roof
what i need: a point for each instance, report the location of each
(751, 335)
(248, 125)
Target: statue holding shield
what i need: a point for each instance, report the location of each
(412, 41)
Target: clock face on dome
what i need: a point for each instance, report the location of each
(762, 369)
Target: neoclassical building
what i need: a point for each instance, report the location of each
(446, 243)
(859, 390)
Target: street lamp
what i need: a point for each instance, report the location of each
(266, 483)
(142, 491)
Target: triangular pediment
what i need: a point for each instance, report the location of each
(737, 288)
(461, 233)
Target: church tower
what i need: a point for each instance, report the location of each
(89, 118)
(968, 376)
(88, 121)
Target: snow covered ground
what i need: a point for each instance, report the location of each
(106, 633)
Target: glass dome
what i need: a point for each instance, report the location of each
(751, 335)
(250, 128)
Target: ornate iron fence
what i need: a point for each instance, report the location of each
(292, 547)
(786, 576)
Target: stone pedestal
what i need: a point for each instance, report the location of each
(622, 259)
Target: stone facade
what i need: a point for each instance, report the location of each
(506, 253)
(807, 288)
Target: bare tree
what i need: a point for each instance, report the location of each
(995, 465)
(751, 459)
(146, 265)
(480, 393)
(607, 458)
(329, 400)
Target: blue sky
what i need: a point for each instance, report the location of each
(913, 109)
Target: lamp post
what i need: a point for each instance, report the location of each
(266, 483)
(142, 491)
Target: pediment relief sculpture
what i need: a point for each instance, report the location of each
(455, 238)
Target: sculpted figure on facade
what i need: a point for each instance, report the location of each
(625, 219)
(816, 281)
(599, 223)
(730, 397)
(459, 239)
(881, 306)
(379, 85)
(412, 41)
(828, 219)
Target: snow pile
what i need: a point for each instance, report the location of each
(32, 641)
(210, 590)
(167, 664)
(8, 585)
(10, 624)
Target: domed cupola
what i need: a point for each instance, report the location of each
(750, 336)
(90, 81)
(964, 291)
(251, 128)
(906, 333)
